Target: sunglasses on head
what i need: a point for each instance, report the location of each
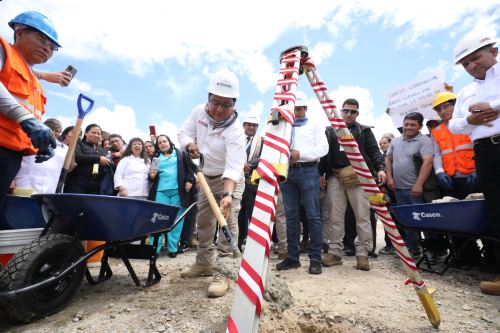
(349, 111)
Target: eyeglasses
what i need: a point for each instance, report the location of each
(349, 111)
(440, 108)
(216, 104)
(44, 40)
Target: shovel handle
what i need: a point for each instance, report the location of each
(81, 111)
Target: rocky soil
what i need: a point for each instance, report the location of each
(342, 299)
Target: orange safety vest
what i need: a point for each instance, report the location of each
(21, 82)
(457, 151)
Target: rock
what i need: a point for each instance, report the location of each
(161, 329)
(465, 307)
(76, 319)
(486, 319)
(111, 316)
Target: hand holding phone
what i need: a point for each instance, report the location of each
(72, 71)
(152, 130)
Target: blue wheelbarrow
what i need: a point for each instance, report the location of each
(462, 218)
(42, 277)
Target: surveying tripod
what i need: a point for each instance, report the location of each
(273, 168)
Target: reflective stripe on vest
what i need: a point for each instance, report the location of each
(457, 148)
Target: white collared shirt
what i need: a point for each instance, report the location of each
(42, 177)
(310, 140)
(132, 173)
(487, 90)
(223, 149)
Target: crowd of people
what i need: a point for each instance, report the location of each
(321, 209)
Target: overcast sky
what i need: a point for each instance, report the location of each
(148, 62)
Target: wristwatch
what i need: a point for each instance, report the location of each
(227, 194)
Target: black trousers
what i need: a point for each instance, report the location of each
(10, 163)
(487, 156)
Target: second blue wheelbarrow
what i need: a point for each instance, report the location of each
(43, 276)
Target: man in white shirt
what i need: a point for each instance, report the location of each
(476, 114)
(308, 144)
(213, 130)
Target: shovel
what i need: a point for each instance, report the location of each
(213, 204)
(71, 147)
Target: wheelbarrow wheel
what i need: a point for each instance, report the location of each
(35, 262)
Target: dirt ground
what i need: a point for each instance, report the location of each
(342, 299)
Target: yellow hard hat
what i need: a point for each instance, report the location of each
(442, 97)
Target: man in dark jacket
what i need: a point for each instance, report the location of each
(343, 187)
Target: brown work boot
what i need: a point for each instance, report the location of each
(491, 287)
(282, 255)
(218, 287)
(362, 263)
(331, 259)
(198, 270)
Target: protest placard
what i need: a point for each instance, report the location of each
(415, 96)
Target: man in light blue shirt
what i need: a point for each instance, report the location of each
(477, 114)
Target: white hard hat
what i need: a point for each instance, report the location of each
(224, 83)
(300, 98)
(468, 45)
(251, 118)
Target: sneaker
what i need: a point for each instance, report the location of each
(172, 254)
(362, 263)
(331, 259)
(315, 267)
(287, 264)
(183, 248)
(372, 254)
(387, 250)
(218, 287)
(197, 270)
(491, 287)
(325, 248)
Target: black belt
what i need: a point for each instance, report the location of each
(213, 177)
(303, 164)
(495, 140)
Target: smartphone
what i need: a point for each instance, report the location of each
(72, 70)
(152, 130)
(155, 163)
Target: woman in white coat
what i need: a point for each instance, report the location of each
(131, 175)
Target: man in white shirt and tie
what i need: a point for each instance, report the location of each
(253, 148)
(476, 114)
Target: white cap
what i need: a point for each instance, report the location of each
(251, 118)
(300, 98)
(468, 45)
(224, 83)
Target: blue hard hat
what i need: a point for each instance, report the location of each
(38, 21)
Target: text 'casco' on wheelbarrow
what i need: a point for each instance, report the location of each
(43, 276)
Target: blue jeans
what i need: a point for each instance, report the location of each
(302, 188)
(404, 197)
